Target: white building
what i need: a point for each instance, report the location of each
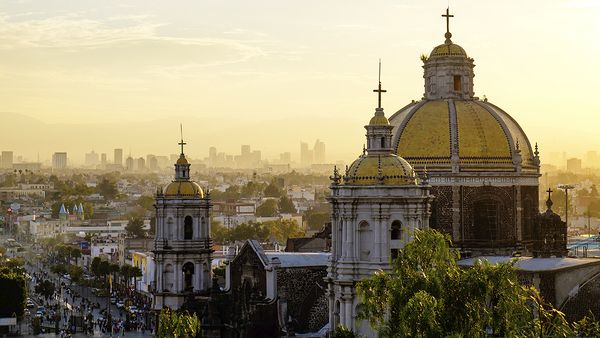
(182, 246)
(376, 206)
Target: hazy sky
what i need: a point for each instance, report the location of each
(100, 74)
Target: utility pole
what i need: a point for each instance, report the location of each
(566, 188)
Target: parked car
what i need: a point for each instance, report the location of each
(120, 304)
(132, 309)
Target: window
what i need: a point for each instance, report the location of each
(188, 274)
(188, 227)
(457, 83)
(383, 142)
(487, 219)
(396, 230)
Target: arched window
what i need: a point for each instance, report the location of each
(188, 227)
(167, 230)
(396, 230)
(383, 142)
(168, 278)
(486, 219)
(188, 276)
(366, 241)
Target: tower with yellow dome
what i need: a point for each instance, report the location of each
(483, 170)
(376, 205)
(182, 246)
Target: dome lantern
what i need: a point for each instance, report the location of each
(448, 70)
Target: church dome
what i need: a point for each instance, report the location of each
(183, 189)
(447, 49)
(182, 159)
(387, 169)
(475, 135)
(379, 120)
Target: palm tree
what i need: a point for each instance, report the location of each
(135, 273)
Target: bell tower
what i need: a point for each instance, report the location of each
(182, 246)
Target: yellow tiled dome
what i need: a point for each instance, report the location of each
(387, 169)
(379, 120)
(484, 136)
(183, 189)
(449, 49)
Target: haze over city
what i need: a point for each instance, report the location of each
(111, 74)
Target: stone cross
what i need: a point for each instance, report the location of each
(379, 90)
(448, 16)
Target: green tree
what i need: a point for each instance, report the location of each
(76, 273)
(146, 202)
(251, 230)
(13, 293)
(107, 188)
(135, 228)
(267, 209)
(286, 206)
(177, 325)
(272, 190)
(136, 273)
(252, 189)
(219, 233)
(95, 266)
(283, 229)
(45, 289)
(426, 294)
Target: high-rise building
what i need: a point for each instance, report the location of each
(574, 165)
(306, 155)
(591, 159)
(140, 164)
(212, 154)
(118, 156)
(129, 163)
(59, 160)
(7, 160)
(92, 159)
(319, 152)
(285, 158)
(103, 158)
(151, 162)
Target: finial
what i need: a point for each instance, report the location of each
(536, 152)
(448, 35)
(364, 149)
(549, 202)
(517, 145)
(379, 90)
(181, 143)
(335, 179)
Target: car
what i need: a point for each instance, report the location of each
(120, 304)
(39, 314)
(30, 304)
(132, 309)
(113, 300)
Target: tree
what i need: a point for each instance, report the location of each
(146, 202)
(95, 266)
(13, 293)
(281, 230)
(267, 209)
(136, 273)
(272, 190)
(286, 206)
(426, 294)
(107, 188)
(76, 272)
(251, 230)
(177, 325)
(135, 228)
(219, 233)
(45, 289)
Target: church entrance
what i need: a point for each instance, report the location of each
(188, 276)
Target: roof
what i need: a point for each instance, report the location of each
(482, 136)
(531, 264)
(388, 169)
(448, 49)
(287, 259)
(183, 189)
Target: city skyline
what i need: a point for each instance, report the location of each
(69, 91)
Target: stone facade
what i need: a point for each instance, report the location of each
(182, 246)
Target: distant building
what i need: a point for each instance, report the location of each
(7, 160)
(319, 152)
(306, 155)
(574, 165)
(92, 159)
(59, 160)
(31, 166)
(103, 159)
(140, 164)
(129, 163)
(118, 157)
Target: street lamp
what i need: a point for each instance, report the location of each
(566, 188)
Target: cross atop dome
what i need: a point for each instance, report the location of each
(448, 35)
(379, 90)
(181, 143)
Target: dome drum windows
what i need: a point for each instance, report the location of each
(188, 227)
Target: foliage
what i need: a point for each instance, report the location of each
(286, 206)
(175, 325)
(427, 294)
(146, 202)
(317, 217)
(107, 188)
(45, 289)
(13, 293)
(272, 190)
(278, 230)
(343, 332)
(587, 327)
(267, 209)
(135, 228)
(76, 273)
(281, 230)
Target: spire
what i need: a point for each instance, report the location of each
(181, 133)
(379, 90)
(448, 35)
(549, 202)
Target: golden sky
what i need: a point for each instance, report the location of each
(100, 74)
